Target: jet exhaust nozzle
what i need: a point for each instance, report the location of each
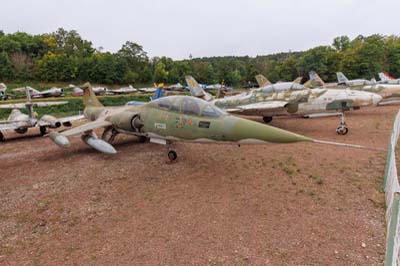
(51, 121)
(98, 144)
(59, 139)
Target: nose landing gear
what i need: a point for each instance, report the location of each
(342, 129)
(172, 155)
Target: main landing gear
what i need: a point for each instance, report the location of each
(109, 134)
(342, 129)
(42, 130)
(267, 119)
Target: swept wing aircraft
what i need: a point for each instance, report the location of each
(53, 92)
(387, 91)
(21, 122)
(266, 85)
(169, 119)
(123, 90)
(343, 80)
(268, 102)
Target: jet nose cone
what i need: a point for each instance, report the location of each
(246, 131)
(376, 99)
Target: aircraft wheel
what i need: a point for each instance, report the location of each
(2, 137)
(267, 119)
(143, 139)
(43, 131)
(342, 130)
(172, 155)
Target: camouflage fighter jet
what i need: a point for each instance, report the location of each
(266, 85)
(169, 119)
(268, 103)
(20, 122)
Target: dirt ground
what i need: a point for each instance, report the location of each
(297, 204)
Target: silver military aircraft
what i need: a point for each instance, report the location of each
(268, 102)
(21, 122)
(343, 80)
(123, 90)
(53, 92)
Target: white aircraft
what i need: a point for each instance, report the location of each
(343, 80)
(76, 91)
(177, 86)
(267, 103)
(123, 90)
(387, 91)
(53, 92)
(387, 79)
(20, 122)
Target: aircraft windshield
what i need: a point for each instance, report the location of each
(189, 106)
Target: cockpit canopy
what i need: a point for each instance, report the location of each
(188, 105)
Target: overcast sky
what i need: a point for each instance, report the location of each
(177, 28)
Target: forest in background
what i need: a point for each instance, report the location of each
(64, 56)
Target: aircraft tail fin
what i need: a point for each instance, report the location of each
(195, 89)
(315, 77)
(262, 81)
(298, 80)
(341, 78)
(89, 97)
(314, 81)
(385, 76)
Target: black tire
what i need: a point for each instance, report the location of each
(2, 137)
(342, 130)
(172, 155)
(143, 139)
(267, 119)
(42, 131)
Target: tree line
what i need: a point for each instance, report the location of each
(64, 56)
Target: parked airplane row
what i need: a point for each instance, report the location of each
(99, 90)
(285, 98)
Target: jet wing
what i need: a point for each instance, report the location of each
(61, 120)
(86, 127)
(70, 118)
(11, 125)
(8, 125)
(34, 104)
(269, 105)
